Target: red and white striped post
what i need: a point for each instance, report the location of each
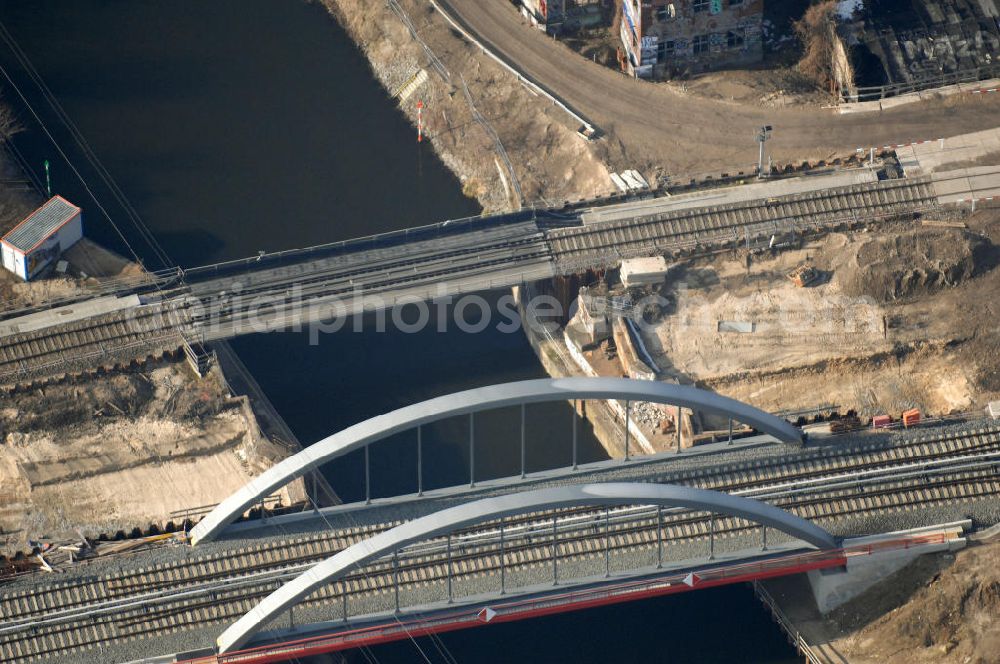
(420, 122)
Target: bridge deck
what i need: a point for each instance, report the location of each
(297, 287)
(225, 579)
(369, 279)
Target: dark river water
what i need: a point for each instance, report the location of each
(235, 126)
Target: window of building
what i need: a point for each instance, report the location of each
(734, 39)
(666, 12)
(700, 44)
(700, 5)
(663, 49)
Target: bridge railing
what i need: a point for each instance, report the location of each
(103, 287)
(515, 609)
(876, 92)
(387, 239)
(569, 598)
(794, 636)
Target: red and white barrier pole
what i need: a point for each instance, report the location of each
(420, 121)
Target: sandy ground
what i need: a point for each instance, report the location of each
(901, 317)
(89, 263)
(766, 88)
(90, 260)
(121, 451)
(941, 608)
(550, 161)
(679, 129)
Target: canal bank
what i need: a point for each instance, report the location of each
(507, 144)
(606, 418)
(78, 447)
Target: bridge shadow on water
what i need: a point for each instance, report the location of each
(351, 376)
(684, 628)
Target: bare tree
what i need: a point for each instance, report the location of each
(9, 124)
(824, 59)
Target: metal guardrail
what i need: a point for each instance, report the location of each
(197, 357)
(587, 129)
(876, 92)
(794, 636)
(501, 610)
(104, 287)
(432, 57)
(389, 238)
(497, 143)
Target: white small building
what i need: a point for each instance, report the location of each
(41, 238)
(643, 271)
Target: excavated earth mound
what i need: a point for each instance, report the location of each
(914, 264)
(947, 613)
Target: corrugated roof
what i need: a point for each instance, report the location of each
(42, 223)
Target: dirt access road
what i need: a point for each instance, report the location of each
(651, 125)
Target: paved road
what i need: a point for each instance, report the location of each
(657, 124)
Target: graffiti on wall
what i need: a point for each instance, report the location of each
(42, 257)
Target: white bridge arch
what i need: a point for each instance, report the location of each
(489, 509)
(472, 401)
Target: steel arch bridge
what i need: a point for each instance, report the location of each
(377, 428)
(448, 520)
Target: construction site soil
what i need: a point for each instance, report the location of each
(121, 450)
(900, 316)
(940, 608)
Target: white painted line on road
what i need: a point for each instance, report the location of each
(897, 146)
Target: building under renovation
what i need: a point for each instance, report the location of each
(544, 14)
(925, 43)
(663, 38)
(559, 16)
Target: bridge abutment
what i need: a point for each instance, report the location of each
(834, 587)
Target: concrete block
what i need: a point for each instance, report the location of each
(901, 100)
(860, 107)
(833, 589)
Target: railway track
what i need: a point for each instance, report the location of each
(208, 309)
(226, 602)
(366, 261)
(492, 256)
(349, 286)
(607, 243)
(56, 618)
(115, 337)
